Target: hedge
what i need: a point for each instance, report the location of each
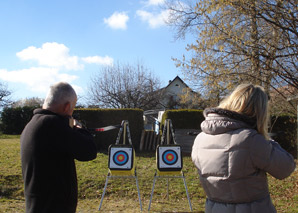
(184, 118)
(284, 127)
(14, 120)
(94, 118)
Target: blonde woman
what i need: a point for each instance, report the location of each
(233, 154)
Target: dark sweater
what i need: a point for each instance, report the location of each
(48, 149)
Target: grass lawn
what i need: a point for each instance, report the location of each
(121, 194)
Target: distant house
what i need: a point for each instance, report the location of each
(170, 99)
(177, 94)
(173, 93)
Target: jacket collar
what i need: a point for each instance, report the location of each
(47, 112)
(231, 114)
(43, 111)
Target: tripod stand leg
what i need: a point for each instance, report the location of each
(152, 193)
(187, 194)
(104, 191)
(139, 193)
(168, 188)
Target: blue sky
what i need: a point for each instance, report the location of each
(43, 42)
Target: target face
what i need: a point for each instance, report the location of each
(169, 158)
(120, 158)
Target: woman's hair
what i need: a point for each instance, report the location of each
(59, 93)
(252, 101)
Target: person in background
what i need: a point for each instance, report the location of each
(49, 144)
(233, 153)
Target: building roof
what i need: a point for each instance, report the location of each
(178, 78)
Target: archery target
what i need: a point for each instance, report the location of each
(120, 158)
(169, 157)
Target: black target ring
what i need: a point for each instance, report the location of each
(170, 157)
(120, 158)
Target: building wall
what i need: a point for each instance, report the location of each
(175, 89)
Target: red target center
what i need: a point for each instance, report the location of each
(121, 157)
(170, 157)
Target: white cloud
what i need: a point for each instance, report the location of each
(51, 55)
(117, 21)
(155, 2)
(79, 90)
(154, 20)
(38, 79)
(99, 60)
(52, 59)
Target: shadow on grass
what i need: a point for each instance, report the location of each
(11, 186)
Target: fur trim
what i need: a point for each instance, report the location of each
(231, 114)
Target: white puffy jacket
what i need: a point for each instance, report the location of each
(232, 159)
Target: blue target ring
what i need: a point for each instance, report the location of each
(170, 157)
(120, 158)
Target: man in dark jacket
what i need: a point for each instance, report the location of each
(49, 144)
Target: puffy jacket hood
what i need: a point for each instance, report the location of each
(220, 121)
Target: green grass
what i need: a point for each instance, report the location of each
(122, 194)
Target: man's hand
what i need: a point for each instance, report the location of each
(71, 122)
(77, 124)
(74, 123)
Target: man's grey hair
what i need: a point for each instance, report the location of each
(59, 93)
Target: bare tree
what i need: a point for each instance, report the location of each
(4, 95)
(124, 86)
